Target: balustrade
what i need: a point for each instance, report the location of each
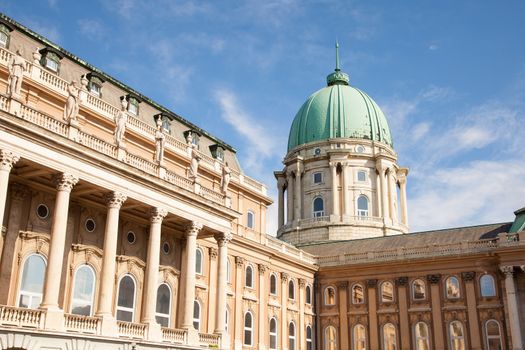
(81, 324)
(173, 335)
(131, 330)
(20, 317)
(209, 339)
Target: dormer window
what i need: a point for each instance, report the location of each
(133, 104)
(5, 35)
(217, 152)
(95, 84)
(166, 122)
(192, 137)
(51, 59)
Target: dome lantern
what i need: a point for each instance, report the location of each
(337, 77)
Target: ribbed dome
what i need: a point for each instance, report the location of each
(339, 111)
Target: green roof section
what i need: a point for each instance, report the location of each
(519, 223)
(338, 111)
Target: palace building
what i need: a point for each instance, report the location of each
(125, 226)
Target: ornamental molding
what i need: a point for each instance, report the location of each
(65, 181)
(193, 228)
(401, 281)
(468, 276)
(239, 261)
(223, 238)
(371, 283)
(508, 270)
(284, 277)
(157, 215)
(434, 279)
(114, 200)
(213, 253)
(8, 159)
(263, 268)
(342, 284)
(302, 283)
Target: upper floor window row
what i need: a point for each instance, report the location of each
(5, 35)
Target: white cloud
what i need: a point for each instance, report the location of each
(91, 28)
(48, 31)
(420, 130)
(433, 47)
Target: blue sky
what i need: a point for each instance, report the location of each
(449, 75)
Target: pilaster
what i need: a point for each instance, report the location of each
(437, 317)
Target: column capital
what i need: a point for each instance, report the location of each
(281, 181)
(284, 277)
(114, 200)
(239, 261)
(402, 281)
(157, 215)
(434, 279)
(263, 268)
(223, 238)
(65, 181)
(8, 159)
(302, 283)
(193, 228)
(342, 285)
(213, 253)
(371, 283)
(508, 270)
(468, 276)
(18, 191)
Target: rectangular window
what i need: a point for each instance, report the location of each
(318, 178)
(51, 64)
(95, 89)
(361, 176)
(3, 39)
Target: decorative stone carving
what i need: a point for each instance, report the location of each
(214, 253)
(37, 56)
(262, 269)
(18, 191)
(302, 283)
(342, 284)
(371, 283)
(121, 118)
(16, 67)
(223, 238)
(115, 199)
(239, 261)
(7, 160)
(194, 166)
(193, 228)
(157, 215)
(189, 138)
(284, 277)
(65, 181)
(83, 91)
(160, 140)
(468, 276)
(226, 176)
(508, 271)
(72, 102)
(402, 281)
(434, 279)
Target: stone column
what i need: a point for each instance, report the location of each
(344, 337)
(347, 194)
(263, 306)
(239, 312)
(384, 189)
(284, 308)
(280, 201)
(402, 178)
(289, 197)
(512, 307)
(404, 326)
(372, 312)
(301, 332)
(473, 322)
(392, 193)
(149, 295)
(114, 201)
(64, 184)
(220, 315)
(7, 161)
(213, 265)
(437, 317)
(189, 284)
(335, 194)
(297, 194)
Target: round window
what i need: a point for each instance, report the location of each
(166, 248)
(42, 211)
(360, 149)
(317, 151)
(90, 225)
(131, 237)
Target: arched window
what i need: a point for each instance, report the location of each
(358, 295)
(418, 290)
(273, 284)
(359, 337)
(493, 335)
(291, 289)
(318, 206)
(452, 288)
(32, 284)
(83, 291)
(126, 299)
(389, 337)
(457, 338)
(248, 276)
(308, 292)
(198, 261)
(329, 296)
(228, 271)
(387, 292)
(162, 310)
(487, 286)
(309, 342)
(196, 315)
(227, 320)
(291, 336)
(330, 338)
(421, 336)
(248, 329)
(362, 206)
(273, 334)
(250, 219)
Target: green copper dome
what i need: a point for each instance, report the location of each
(339, 111)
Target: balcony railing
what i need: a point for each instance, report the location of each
(131, 330)
(209, 339)
(20, 317)
(173, 335)
(81, 324)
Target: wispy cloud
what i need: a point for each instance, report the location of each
(92, 28)
(47, 30)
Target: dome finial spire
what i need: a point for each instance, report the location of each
(337, 69)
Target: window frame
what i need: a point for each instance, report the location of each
(273, 334)
(291, 289)
(292, 338)
(364, 173)
(383, 343)
(30, 294)
(228, 271)
(251, 279)
(447, 295)
(94, 288)
(199, 264)
(124, 308)
(308, 295)
(493, 286)
(321, 180)
(326, 295)
(416, 337)
(382, 299)
(462, 338)
(318, 213)
(273, 277)
(197, 320)
(489, 337)
(133, 105)
(251, 214)
(328, 340)
(4, 29)
(413, 285)
(159, 314)
(248, 329)
(363, 212)
(352, 293)
(309, 338)
(356, 340)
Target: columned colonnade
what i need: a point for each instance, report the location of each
(387, 178)
(65, 183)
